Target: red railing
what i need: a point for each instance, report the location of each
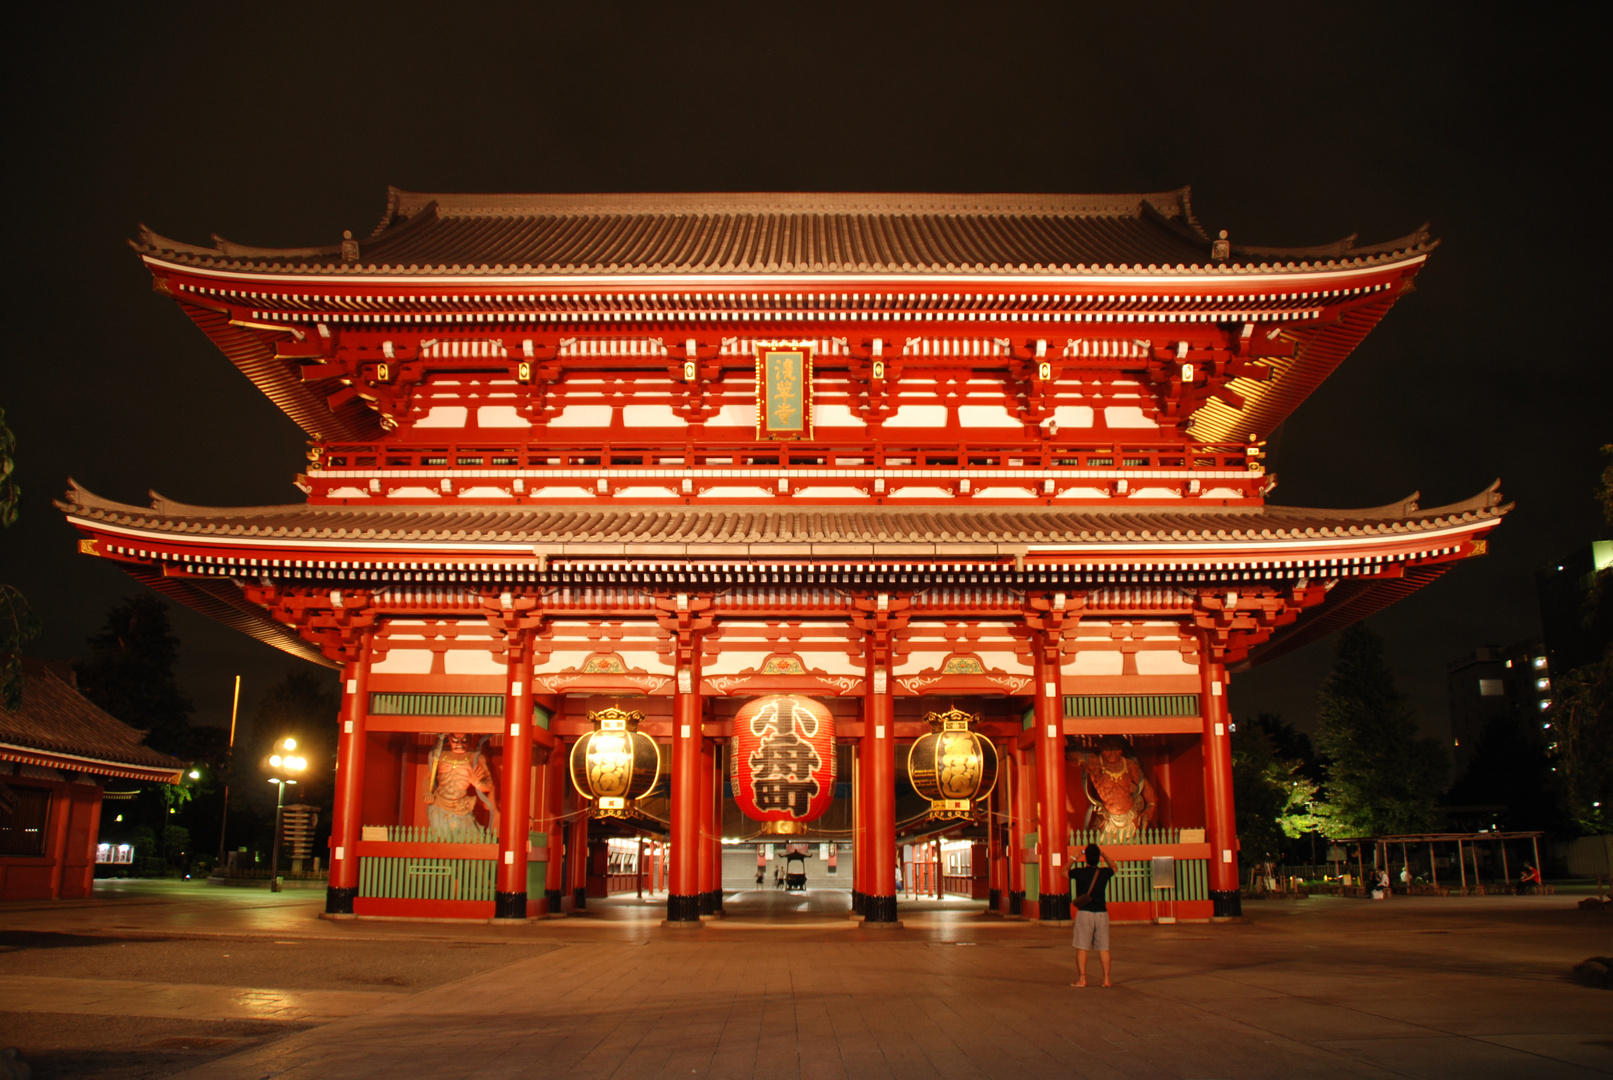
(446, 457)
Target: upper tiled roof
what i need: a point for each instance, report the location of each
(56, 718)
(791, 233)
(575, 530)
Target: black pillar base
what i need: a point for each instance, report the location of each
(579, 898)
(556, 899)
(683, 909)
(1016, 903)
(993, 899)
(716, 902)
(1054, 908)
(859, 902)
(339, 901)
(509, 905)
(879, 909)
(1226, 903)
(704, 900)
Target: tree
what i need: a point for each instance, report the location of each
(1582, 702)
(1511, 766)
(302, 705)
(18, 623)
(1382, 776)
(1582, 716)
(1273, 795)
(130, 673)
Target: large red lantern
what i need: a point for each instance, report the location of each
(784, 761)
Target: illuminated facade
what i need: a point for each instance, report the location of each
(892, 453)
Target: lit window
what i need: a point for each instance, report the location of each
(1492, 688)
(1509, 663)
(1539, 661)
(1542, 684)
(1545, 703)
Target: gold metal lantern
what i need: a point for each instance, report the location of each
(952, 766)
(615, 763)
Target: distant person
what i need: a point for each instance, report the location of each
(778, 878)
(761, 876)
(1531, 881)
(1089, 886)
(1383, 881)
(898, 877)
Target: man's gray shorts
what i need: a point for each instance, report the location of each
(1092, 930)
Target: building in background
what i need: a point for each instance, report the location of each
(56, 752)
(1577, 628)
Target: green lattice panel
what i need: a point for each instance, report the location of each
(1121, 706)
(385, 704)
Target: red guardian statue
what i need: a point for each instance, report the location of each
(457, 779)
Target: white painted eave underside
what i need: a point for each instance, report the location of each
(1163, 279)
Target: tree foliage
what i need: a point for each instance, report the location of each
(1274, 796)
(303, 705)
(1582, 715)
(18, 623)
(130, 673)
(1382, 776)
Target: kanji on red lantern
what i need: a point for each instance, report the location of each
(784, 760)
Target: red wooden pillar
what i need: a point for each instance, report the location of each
(554, 793)
(348, 810)
(1052, 828)
(578, 862)
(716, 828)
(994, 847)
(879, 819)
(859, 846)
(1019, 802)
(703, 858)
(515, 823)
(683, 897)
(1220, 821)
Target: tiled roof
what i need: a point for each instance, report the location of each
(792, 233)
(56, 718)
(575, 528)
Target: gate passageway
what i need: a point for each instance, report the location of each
(781, 905)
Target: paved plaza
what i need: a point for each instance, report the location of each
(151, 980)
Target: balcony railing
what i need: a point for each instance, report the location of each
(1013, 473)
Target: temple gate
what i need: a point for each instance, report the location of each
(898, 455)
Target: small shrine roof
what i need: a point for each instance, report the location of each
(779, 233)
(762, 532)
(61, 722)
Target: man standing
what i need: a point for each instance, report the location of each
(1088, 885)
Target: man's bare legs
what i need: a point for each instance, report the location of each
(1081, 968)
(1103, 958)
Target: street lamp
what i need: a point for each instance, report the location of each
(285, 764)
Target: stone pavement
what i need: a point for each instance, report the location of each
(789, 987)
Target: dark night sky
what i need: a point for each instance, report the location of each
(1295, 124)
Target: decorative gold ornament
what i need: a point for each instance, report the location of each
(952, 766)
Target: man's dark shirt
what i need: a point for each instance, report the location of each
(1081, 877)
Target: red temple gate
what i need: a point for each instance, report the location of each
(886, 452)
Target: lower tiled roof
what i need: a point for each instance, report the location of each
(54, 717)
(943, 527)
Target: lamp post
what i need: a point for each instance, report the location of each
(283, 763)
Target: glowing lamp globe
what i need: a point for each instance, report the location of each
(615, 763)
(952, 765)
